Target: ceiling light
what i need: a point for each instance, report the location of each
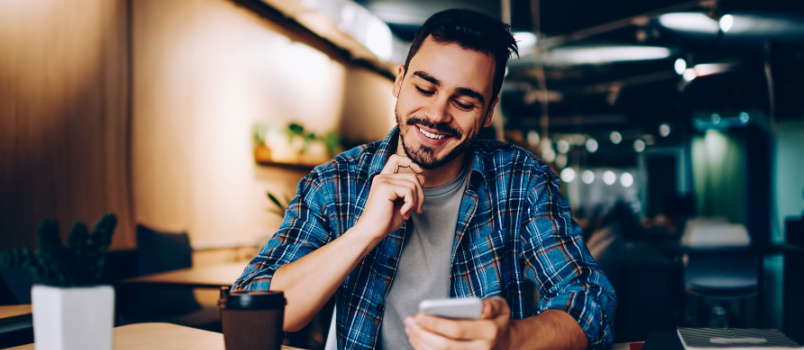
(744, 117)
(606, 54)
(616, 137)
(562, 146)
(680, 66)
(664, 129)
(690, 22)
(533, 138)
(524, 40)
(609, 178)
(639, 145)
(704, 69)
(689, 75)
(726, 22)
(591, 145)
(548, 154)
(588, 176)
(568, 174)
(715, 118)
(561, 160)
(626, 179)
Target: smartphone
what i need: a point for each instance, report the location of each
(457, 308)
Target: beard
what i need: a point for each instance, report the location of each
(425, 156)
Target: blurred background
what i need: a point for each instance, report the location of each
(183, 116)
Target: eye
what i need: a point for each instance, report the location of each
(423, 91)
(464, 106)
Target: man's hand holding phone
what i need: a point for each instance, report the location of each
(491, 330)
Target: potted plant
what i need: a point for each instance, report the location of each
(71, 310)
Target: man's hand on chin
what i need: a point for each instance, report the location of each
(491, 331)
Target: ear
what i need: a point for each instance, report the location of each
(490, 112)
(400, 75)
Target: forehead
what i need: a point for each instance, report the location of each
(454, 66)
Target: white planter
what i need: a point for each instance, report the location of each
(73, 318)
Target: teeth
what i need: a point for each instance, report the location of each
(431, 135)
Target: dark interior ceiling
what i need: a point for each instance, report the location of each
(637, 95)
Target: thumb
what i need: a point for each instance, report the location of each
(493, 307)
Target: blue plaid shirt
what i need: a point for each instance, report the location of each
(513, 224)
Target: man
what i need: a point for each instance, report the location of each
(431, 212)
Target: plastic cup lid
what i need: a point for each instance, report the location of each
(254, 299)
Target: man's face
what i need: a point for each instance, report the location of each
(443, 100)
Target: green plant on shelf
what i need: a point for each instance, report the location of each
(278, 206)
(79, 263)
(294, 144)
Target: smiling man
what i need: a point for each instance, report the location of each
(433, 212)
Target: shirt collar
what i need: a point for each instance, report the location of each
(385, 149)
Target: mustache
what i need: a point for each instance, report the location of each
(442, 127)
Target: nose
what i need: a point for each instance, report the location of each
(438, 110)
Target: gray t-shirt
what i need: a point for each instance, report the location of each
(426, 261)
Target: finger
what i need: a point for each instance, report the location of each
(455, 329)
(420, 339)
(494, 307)
(408, 191)
(392, 164)
(395, 162)
(409, 164)
(417, 181)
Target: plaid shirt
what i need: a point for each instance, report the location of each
(513, 224)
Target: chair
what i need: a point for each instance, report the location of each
(161, 252)
(726, 270)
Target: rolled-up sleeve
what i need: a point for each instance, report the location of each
(304, 229)
(567, 275)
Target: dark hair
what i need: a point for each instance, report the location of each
(471, 30)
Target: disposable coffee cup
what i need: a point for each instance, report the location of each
(252, 319)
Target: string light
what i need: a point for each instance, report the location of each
(664, 130)
(568, 174)
(591, 145)
(609, 178)
(626, 179)
(616, 137)
(588, 176)
(639, 145)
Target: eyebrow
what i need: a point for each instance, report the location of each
(461, 90)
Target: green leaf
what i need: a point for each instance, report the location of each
(296, 129)
(77, 239)
(275, 200)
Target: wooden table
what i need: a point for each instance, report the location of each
(168, 336)
(14, 318)
(10, 312)
(159, 336)
(213, 276)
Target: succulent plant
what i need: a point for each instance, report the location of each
(78, 263)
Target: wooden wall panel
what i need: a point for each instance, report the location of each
(63, 116)
(204, 72)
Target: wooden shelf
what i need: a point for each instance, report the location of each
(290, 166)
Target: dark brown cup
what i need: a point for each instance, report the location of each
(252, 319)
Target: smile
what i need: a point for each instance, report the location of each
(432, 135)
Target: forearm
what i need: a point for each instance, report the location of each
(551, 329)
(309, 282)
